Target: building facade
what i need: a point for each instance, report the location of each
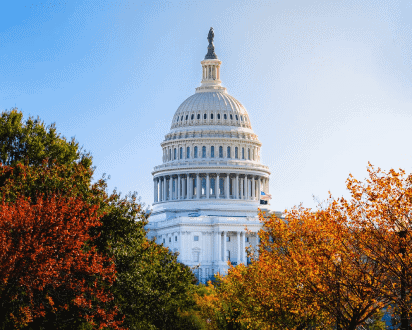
(209, 186)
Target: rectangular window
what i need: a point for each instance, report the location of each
(236, 153)
(243, 153)
(188, 152)
(174, 153)
(203, 152)
(170, 240)
(228, 152)
(164, 240)
(175, 238)
(248, 154)
(195, 155)
(181, 153)
(247, 239)
(196, 238)
(220, 152)
(212, 151)
(227, 238)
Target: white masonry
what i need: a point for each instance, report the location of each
(207, 189)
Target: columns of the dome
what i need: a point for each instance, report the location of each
(241, 188)
(164, 188)
(227, 179)
(217, 186)
(170, 188)
(237, 187)
(207, 186)
(178, 186)
(259, 188)
(253, 197)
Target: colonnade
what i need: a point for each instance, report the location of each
(220, 252)
(209, 186)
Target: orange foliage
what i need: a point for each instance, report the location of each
(45, 244)
(341, 263)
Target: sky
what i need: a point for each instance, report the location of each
(327, 84)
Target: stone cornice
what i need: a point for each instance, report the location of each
(242, 167)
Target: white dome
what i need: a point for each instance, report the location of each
(211, 108)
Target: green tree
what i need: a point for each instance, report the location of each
(152, 290)
(32, 142)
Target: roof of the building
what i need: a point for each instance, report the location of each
(197, 110)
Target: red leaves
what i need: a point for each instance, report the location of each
(45, 244)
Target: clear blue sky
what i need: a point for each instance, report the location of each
(327, 84)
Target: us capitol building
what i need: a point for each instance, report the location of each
(211, 182)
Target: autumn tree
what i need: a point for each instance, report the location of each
(151, 289)
(43, 255)
(338, 266)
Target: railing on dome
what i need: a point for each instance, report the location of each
(182, 164)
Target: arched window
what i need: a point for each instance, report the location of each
(198, 116)
(205, 116)
(187, 117)
(248, 154)
(203, 152)
(195, 155)
(236, 153)
(225, 116)
(218, 116)
(220, 152)
(174, 153)
(181, 153)
(231, 117)
(193, 116)
(243, 153)
(188, 152)
(228, 152)
(212, 152)
(211, 116)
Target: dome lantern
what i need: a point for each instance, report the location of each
(210, 69)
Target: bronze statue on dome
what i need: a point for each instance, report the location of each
(211, 48)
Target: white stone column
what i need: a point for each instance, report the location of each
(178, 186)
(237, 187)
(164, 189)
(170, 188)
(217, 184)
(207, 186)
(198, 191)
(187, 186)
(238, 248)
(241, 188)
(259, 188)
(224, 247)
(227, 186)
(215, 246)
(253, 188)
(246, 187)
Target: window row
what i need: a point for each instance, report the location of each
(205, 116)
(236, 153)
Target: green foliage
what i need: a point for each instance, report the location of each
(32, 142)
(152, 290)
